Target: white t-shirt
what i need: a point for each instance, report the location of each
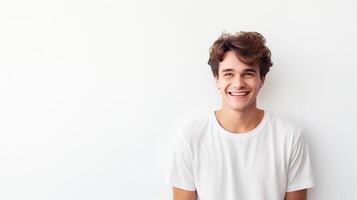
(262, 164)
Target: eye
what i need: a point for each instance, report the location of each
(248, 75)
(228, 74)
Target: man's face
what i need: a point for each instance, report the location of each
(239, 83)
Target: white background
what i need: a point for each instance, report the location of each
(92, 93)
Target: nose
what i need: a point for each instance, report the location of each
(238, 82)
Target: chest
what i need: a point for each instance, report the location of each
(229, 166)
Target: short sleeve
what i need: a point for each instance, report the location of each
(181, 172)
(300, 175)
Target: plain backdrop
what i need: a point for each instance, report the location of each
(93, 93)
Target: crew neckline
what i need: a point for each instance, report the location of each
(243, 135)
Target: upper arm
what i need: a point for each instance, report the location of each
(180, 194)
(181, 173)
(300, 175)
(296, 195)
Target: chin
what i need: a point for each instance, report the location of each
(240, 108)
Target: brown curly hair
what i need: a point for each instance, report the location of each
(249, 48)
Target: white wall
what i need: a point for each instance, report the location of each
(92, 92)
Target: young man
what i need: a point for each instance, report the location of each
(240, 152)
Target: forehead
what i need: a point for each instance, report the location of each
(230, 62)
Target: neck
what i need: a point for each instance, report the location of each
(239, 121)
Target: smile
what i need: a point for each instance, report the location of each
(240, 94)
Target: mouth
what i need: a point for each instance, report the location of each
(238, 94)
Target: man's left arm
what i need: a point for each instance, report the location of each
(296, 195)
(300, 176)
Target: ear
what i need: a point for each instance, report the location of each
(217, 81)
(262, 79)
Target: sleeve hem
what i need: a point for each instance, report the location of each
(300, 187)
(184, 187)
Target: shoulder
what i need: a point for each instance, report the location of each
(196, 128)
(287, 132)
(285, 126)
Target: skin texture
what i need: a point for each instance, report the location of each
(180, 194)
(296, 195)
(238, 113)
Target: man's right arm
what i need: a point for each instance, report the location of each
(180, 194)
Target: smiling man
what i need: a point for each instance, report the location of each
(240, 152)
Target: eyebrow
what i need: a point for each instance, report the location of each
(246, 70)
(250, 70)
(227, 70)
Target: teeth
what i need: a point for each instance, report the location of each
(238, 93)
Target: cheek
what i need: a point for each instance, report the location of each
(258, 82)
(256, 85)
(226, 81)
(222, 83)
